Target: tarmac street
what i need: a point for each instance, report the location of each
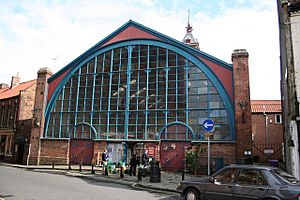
(24, 184)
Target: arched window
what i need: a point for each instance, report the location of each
(133, 92)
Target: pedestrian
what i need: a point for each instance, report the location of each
(145, 158)
(133, 163)
(105, 157)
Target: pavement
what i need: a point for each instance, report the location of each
(168, 181)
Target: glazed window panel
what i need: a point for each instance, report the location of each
(102, 130)
(133, 118)
(152, 117)
(159, 83)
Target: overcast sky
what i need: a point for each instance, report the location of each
(36, 34)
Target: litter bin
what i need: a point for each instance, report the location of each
(154, 171)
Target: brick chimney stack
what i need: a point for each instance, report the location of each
(41, 93)
(15, 80)
(242, 106)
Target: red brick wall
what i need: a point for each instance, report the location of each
(58, 150)
(54, 151)
(275, 135)
(227, 151)
(27, 103)
(242, 94)
(224, 151)
(38, 115)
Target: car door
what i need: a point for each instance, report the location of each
(222, 187)
(251, 184)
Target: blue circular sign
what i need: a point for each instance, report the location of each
(208, 125)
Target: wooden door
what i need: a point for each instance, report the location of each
(81, 151)
(172, 155)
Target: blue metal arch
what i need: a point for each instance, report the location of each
(82, 123)
(176, 122)
(202, 66)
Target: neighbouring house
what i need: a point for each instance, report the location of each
(16, 106)
(267, 130)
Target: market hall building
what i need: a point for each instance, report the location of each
(139, 89)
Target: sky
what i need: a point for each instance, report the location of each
(52, 33)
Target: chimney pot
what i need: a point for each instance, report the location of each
(4, 85)
(15, 80)
(238, 53)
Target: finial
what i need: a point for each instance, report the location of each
(188, 16)
(189, 28)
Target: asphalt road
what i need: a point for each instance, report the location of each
(23, 184)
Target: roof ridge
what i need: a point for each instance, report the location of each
(28, 81)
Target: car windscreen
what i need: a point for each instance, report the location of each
(285, 176)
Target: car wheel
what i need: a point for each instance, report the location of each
(192, 194)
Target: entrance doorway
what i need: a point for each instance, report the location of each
(175, 138)
(172, 155)
(81, 151)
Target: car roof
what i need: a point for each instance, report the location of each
(245, 166)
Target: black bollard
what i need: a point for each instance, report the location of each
(69, 166)
(93, 171)
(52, 164)
(184, 169)
(121, 172)
(106, 170)
(80, 167)
(139, 174)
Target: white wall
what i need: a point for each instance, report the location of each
(294, 150)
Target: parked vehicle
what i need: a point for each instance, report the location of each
(242, 182)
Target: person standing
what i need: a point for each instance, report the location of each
(145, 158)
(104, 162)
(133, 163)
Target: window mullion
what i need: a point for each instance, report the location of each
(76, 105)
(101, 93)
(118, 90)
(130, 48)
(166, 97)
(61, 110)
(146, 96)
(93, 94)
(186, 96)
(109, 92)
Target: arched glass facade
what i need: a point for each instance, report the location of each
(140, 92)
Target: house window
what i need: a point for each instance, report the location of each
(278, 119)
